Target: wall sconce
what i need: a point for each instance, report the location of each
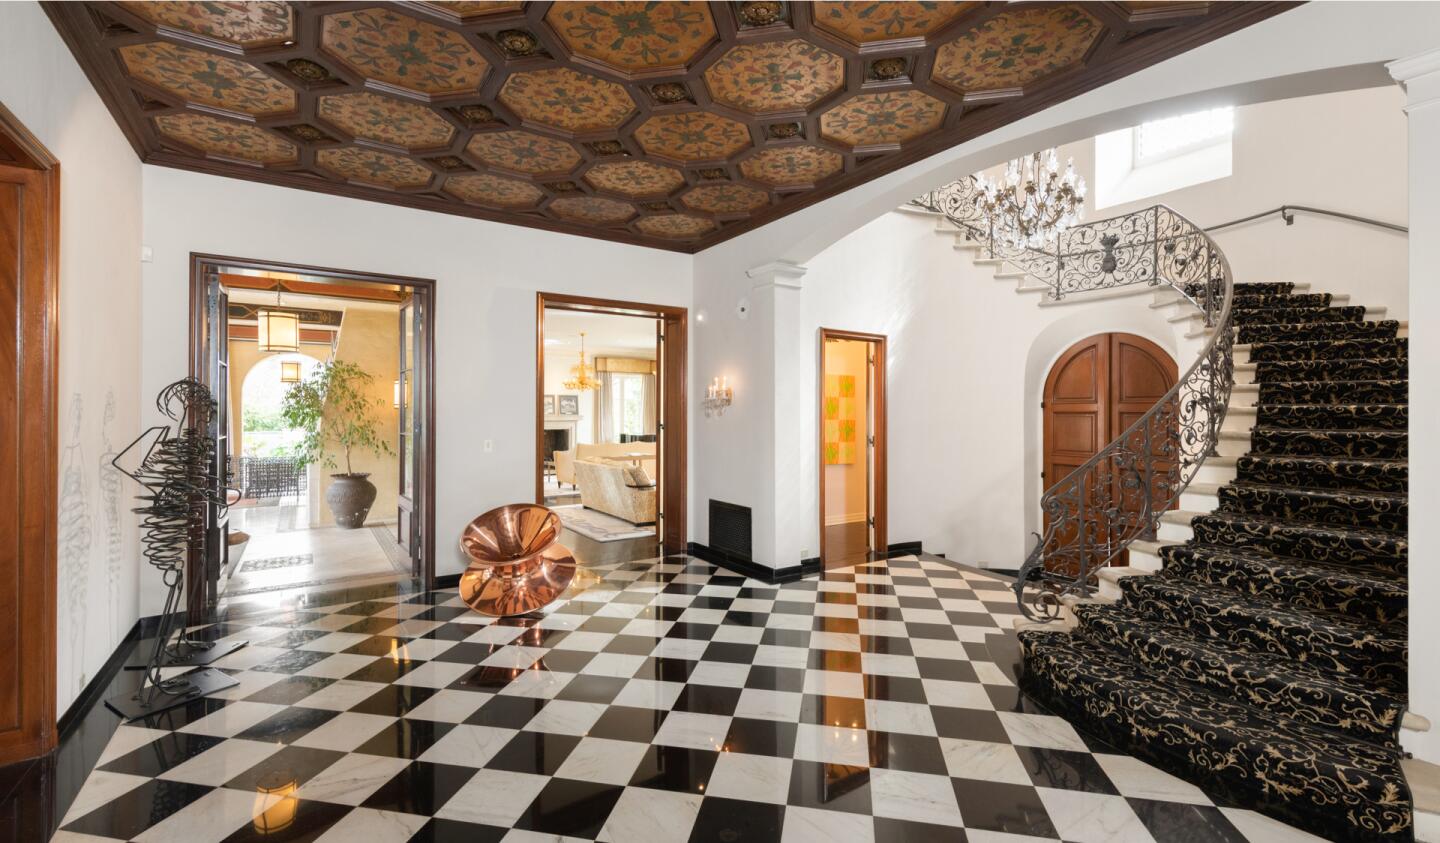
(290, 371)
(718, 396)
(397, 394)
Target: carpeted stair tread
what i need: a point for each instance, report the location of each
(1294, 315)
(1346, 510)
(1371, 329)
(1334, 416)
(1340, 369)
(1354, 444)
(1364, 594)
(1325, 472)
(1335, 392)
(1325, 641)
(1260, 301)
(1306, 776)
(1384, 551)
(1248, 288)
(1274, 684)
(1330, 347)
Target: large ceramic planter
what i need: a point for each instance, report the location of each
(350, 497)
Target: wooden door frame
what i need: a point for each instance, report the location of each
(880, 506)
(37, 360)
(194, 570)
(674, 360)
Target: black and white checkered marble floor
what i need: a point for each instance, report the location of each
(663, 700)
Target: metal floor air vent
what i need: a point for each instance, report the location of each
(730, 529)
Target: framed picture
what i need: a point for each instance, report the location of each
(569, 405)
(549, 405)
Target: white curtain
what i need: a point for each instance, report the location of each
(650, 396)
(609, 408)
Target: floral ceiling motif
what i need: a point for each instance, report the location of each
(495, 191)
(372, 167)
(1016, 48)
(207, 79)
(390, 47)
(775, 76)
(634, 35)
(248, 24)
(892, 117)
(792, 166)
(725, 198)
(524, 152)
(680, 226)
(567, 99)
(596, 210)
(386, 120)
(863, 22)
(635, 178)
(692, 136)
(673, 124)
(222, 137)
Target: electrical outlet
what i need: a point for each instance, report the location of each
(489, 445)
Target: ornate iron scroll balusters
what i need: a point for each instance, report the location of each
(1092, 514)
(176, 472)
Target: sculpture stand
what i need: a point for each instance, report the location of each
(176, 474)
(516, 564)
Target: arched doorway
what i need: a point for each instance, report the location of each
(1095, 390)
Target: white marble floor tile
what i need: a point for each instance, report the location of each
(99, 788)
(913, 796)
(889, 664)
(1134, 778)
(835, 683)
(767, 655)
(1259, 828)
(1093, 817)
(209, 819)
(566, 717)
(352, 779)
(724, 674)
(760, 704)
(449, 706)
(127, 739)
(758, 778)
(831, 744)
(513, 656)
(957, 694)
(435, 674)
(694, 731)
(590, 642)
(903, 717)
(222, 762)
(843, 641)
(812, 825)
(603, 760)
(649, 693)
(336, 641)
(342, 695)
(337, 666)
(493, 797)
(372, 826)
(1039, 730)
(652, 816)
(541, 684)
(468, 746)
(617, 665)
(985, 761)
(733, 634)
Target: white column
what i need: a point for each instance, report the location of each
(779, 531)
(1420, 77)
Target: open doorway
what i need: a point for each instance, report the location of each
(322, 432)
(851, 447)
(610, 457)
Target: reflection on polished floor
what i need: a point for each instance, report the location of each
(660, 700)
(285, 551)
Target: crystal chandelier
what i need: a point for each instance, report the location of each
(582, 376)
(1035, 201)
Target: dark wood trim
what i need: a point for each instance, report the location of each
(674, 412)
(751, 569)
(30, 564)
(880, 505)
(1129, 42)
(424, 287)
(310, 288)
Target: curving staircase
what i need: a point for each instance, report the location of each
(1259, 649)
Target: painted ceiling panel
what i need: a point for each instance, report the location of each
(670, 124)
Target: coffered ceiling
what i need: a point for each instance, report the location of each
(671, 124)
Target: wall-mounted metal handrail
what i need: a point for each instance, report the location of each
(1287, 213)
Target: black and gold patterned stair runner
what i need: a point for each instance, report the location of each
(1266, 661)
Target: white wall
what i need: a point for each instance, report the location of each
(99, 338)
(487, 275)
(1296, 152)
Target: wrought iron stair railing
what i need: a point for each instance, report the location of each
(1117, 496)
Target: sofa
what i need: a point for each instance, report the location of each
(612, 488)
(565, 460)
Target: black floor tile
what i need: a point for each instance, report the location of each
(895, 689)
(786, 637)
(570, 808)
(405, 738)
(384, 670)
(290, 690)
(707, 699)
(847, 712)
(886, 644)
(911, 753)
(996, 806)
(675, 768)
(291, 820)
(725, 651)
(596, 689)
(161, 754)
(289, 725)
(666, 669)
(1182, 823)
(377, 645)
(832, 787)
(463, 652)
(968, 724)
(485, 678)
(422, 788)
(948, 669)
(394, 700)
(776, 679)
(889, 830)
(296, 764)
(539, 753)
(454, 831)
(567, 661)
(631, 645)
(836, 660)
(127, 816)
(624, 723)
(761, 737)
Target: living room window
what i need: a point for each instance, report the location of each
(1164, 155)
(629, 409)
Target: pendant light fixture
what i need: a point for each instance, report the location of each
(290, 371)
(582, 376)
(279, 330)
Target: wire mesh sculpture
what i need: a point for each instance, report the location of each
(177, 473)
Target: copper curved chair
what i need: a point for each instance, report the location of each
(516, 564)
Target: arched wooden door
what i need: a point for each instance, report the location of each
(1097, 389)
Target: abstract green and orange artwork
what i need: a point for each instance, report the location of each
(839, 419)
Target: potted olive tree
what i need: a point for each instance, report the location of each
(334, 405)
